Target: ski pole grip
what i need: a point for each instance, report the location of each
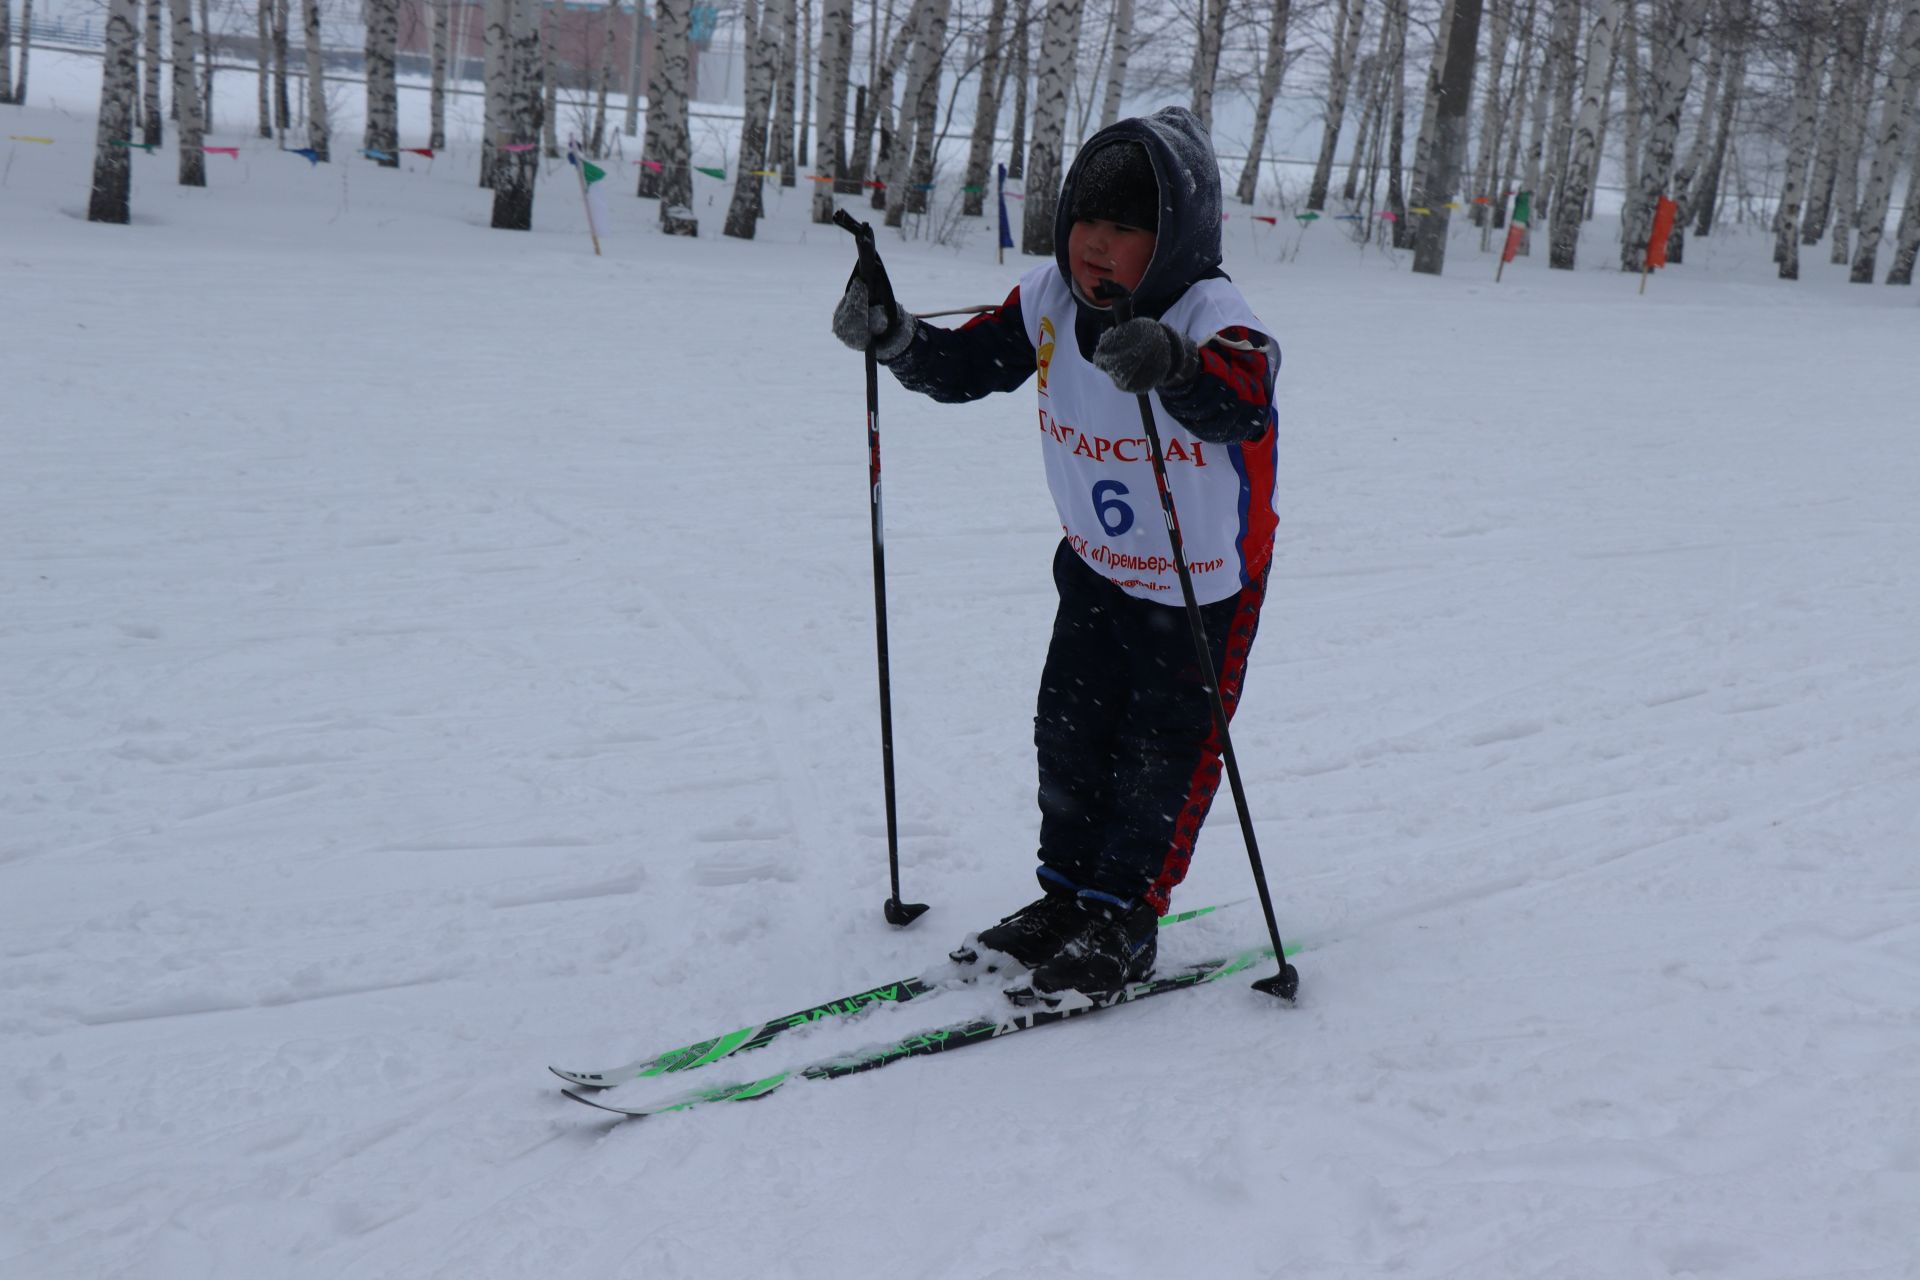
(870, 270)
(1119, 296)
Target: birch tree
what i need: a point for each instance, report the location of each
(652, 164)
(763, 69)
(282, 58)
(1462, 21)
(26, 52)
(1022, 80)
(263, 27)
(1273, 68)
(1570, 207)
(836, 66)
(1672, 73)
(918, 104)
(986, 115)
(1059, 45)
(1793, 188)
(1566, 86)
(514, 170)
(671, 19)
(1907, 239)
(437, 95)
(150, 128)
(783, 104)
(631, 125)
(1853, 133)
(1492, 104)
(1350, 18)
(1902, 83)
(317, 131)
(603, 80)
(186, 96)
(1850, 37)
(1707, 199)
(383, 92)
(1117, 62)
(1206, 58)
(6, 51)
(119, 83)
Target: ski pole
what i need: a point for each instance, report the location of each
(880, 293)
(1287, 981)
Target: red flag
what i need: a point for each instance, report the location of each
(1517, 225)
(1662, 231)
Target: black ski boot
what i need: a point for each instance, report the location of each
(1113, 946)
(1030, 935)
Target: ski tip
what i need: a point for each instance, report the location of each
(584, 1100)
(902, 914)
(582, 1079)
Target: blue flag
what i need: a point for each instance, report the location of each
(1006, 228)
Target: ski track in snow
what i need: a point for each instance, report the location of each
(431, 654)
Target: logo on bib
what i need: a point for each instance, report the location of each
(1043, 358)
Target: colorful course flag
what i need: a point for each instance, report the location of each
(1308, 216)
(719, 173)
(419, 151)
(1663, 217)
(589, 171)
(28, 137)
(1261, 217)
(308, 154)
(1517, 225)
(222, 151)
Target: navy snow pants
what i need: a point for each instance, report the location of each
(1129, 761)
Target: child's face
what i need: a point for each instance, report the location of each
(1098, 250)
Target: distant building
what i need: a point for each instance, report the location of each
(577, 32)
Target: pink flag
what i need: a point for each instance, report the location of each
(222, 151)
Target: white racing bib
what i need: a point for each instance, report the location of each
(1100, 468)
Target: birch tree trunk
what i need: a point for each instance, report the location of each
(1206, 59)
(804, 148)
(652, 163)
(1683, 174)
(1540, 112)
(437, 98)
(1846, 186)
(383, 93)
(1423, 147)
(186, 96)
(1491, 110)
(783, 103)
(1902, 82)
(763, 69)
(926, 110)
(1348, 23)
(1372, 107)
(836, 65)
(603, 82)
(1570, 208)
(317, 130)
(1707, 200)
(1907, 239)
(1673, 63)
(882, 99)
(986, 115)
(676, 141)
(1272, 70)
(1122, 53)
(549, 86)
(1022, 77)
(119, 84)
(150, 126)
(263, 33)
(1059, 43)
(6, 51)
(1793, 187)
(631, 125)
(1397, 17)
(1513, 117)
(918, 103)
(1633, 126)
(1850, 37)
(1560, 51)
(26, 51)
(207, 60)
(496, 35)
(514, 171)
(1449, 135)
(282, 54)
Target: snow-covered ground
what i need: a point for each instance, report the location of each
(428, 653)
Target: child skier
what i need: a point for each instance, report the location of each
(1128, 758)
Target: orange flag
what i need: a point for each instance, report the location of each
(1662, 229)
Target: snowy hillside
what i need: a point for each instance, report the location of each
(430, 653)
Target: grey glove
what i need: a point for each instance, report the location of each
(861, 325)
(1143, 354)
